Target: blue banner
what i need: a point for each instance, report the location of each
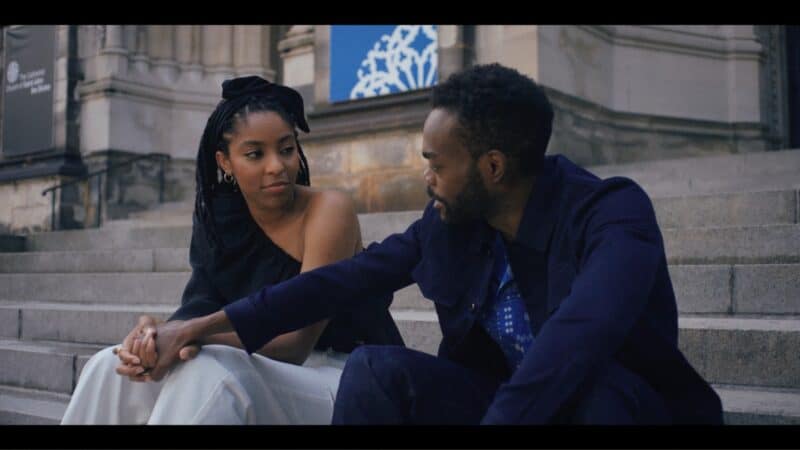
(372, 60)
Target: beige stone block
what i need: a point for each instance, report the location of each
(95, 132)
(7, 196)
(249, 45)
(298, 69)
(160, 41)
(217, 45)
(36, 218)
(327, 158)
(415, 159)
(520, 49)
(386, 151)
(33, 191)
(398, 190)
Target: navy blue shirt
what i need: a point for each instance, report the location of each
(589, 263)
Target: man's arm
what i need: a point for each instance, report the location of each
(302, 300)
(621, 253)
(321, 293)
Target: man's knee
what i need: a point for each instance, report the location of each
(619, 396)
(369, 362)
(368, 389)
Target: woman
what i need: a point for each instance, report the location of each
(256, 221)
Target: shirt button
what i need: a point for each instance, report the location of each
(472, 307)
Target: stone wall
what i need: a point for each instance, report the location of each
(382, 171)
(23, 209)
(621, 94)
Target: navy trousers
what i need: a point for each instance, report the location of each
(397, 385)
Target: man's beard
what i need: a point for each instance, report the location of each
(473, 202)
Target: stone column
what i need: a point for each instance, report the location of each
(188, 43)
(452, 49)
(322, 65)
(139, 59)
(217, 53)
(161, 49)
(297, 53)
(745, 56)
(251, 49)
(113, 58)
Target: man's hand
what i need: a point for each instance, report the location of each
(165, 346)
(130, 362)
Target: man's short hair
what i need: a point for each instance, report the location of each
(499, 108)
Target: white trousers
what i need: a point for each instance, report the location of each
(221, 385)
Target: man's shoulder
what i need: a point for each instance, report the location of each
(581, 185)
(587, 198)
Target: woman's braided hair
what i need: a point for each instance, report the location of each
(241, 97)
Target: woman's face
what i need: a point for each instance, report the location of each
(264, 159)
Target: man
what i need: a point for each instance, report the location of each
(551, 285)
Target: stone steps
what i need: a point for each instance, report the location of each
(758, 171)
(101, 323)
(729, 289)
(147, 288)
(158, 249)
(731, 228)
(741, 406)
(97, 261)
(44, 365)
(721, 245)
(20, 406)
(731, 350)
(746, 351)
(763, 207)
(721, 210)
(744, 405)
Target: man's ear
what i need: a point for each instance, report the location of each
(495, 166)
(223, 162)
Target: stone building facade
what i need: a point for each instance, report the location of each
(621, 94)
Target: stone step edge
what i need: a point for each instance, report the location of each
(37, 403)
(735, 399)
(671, 261)
(756, 322)
(744, 399)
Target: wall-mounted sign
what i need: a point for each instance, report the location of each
(372, 60)
(28, 89)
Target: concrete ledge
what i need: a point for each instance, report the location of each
(9, 323)
(146, 288)
(749, 351)
(36, 366)
(722, 210)
(420, 330)
(31, 407)
(747, 405)
(767, 289)
(78, 261)
(733, 245)
(92, 324)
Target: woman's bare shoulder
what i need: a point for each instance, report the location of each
(329, 202)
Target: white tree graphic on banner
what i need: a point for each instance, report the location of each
(406, 68)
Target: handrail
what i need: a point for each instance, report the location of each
(98, 173)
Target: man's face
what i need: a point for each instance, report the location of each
(453, 179)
